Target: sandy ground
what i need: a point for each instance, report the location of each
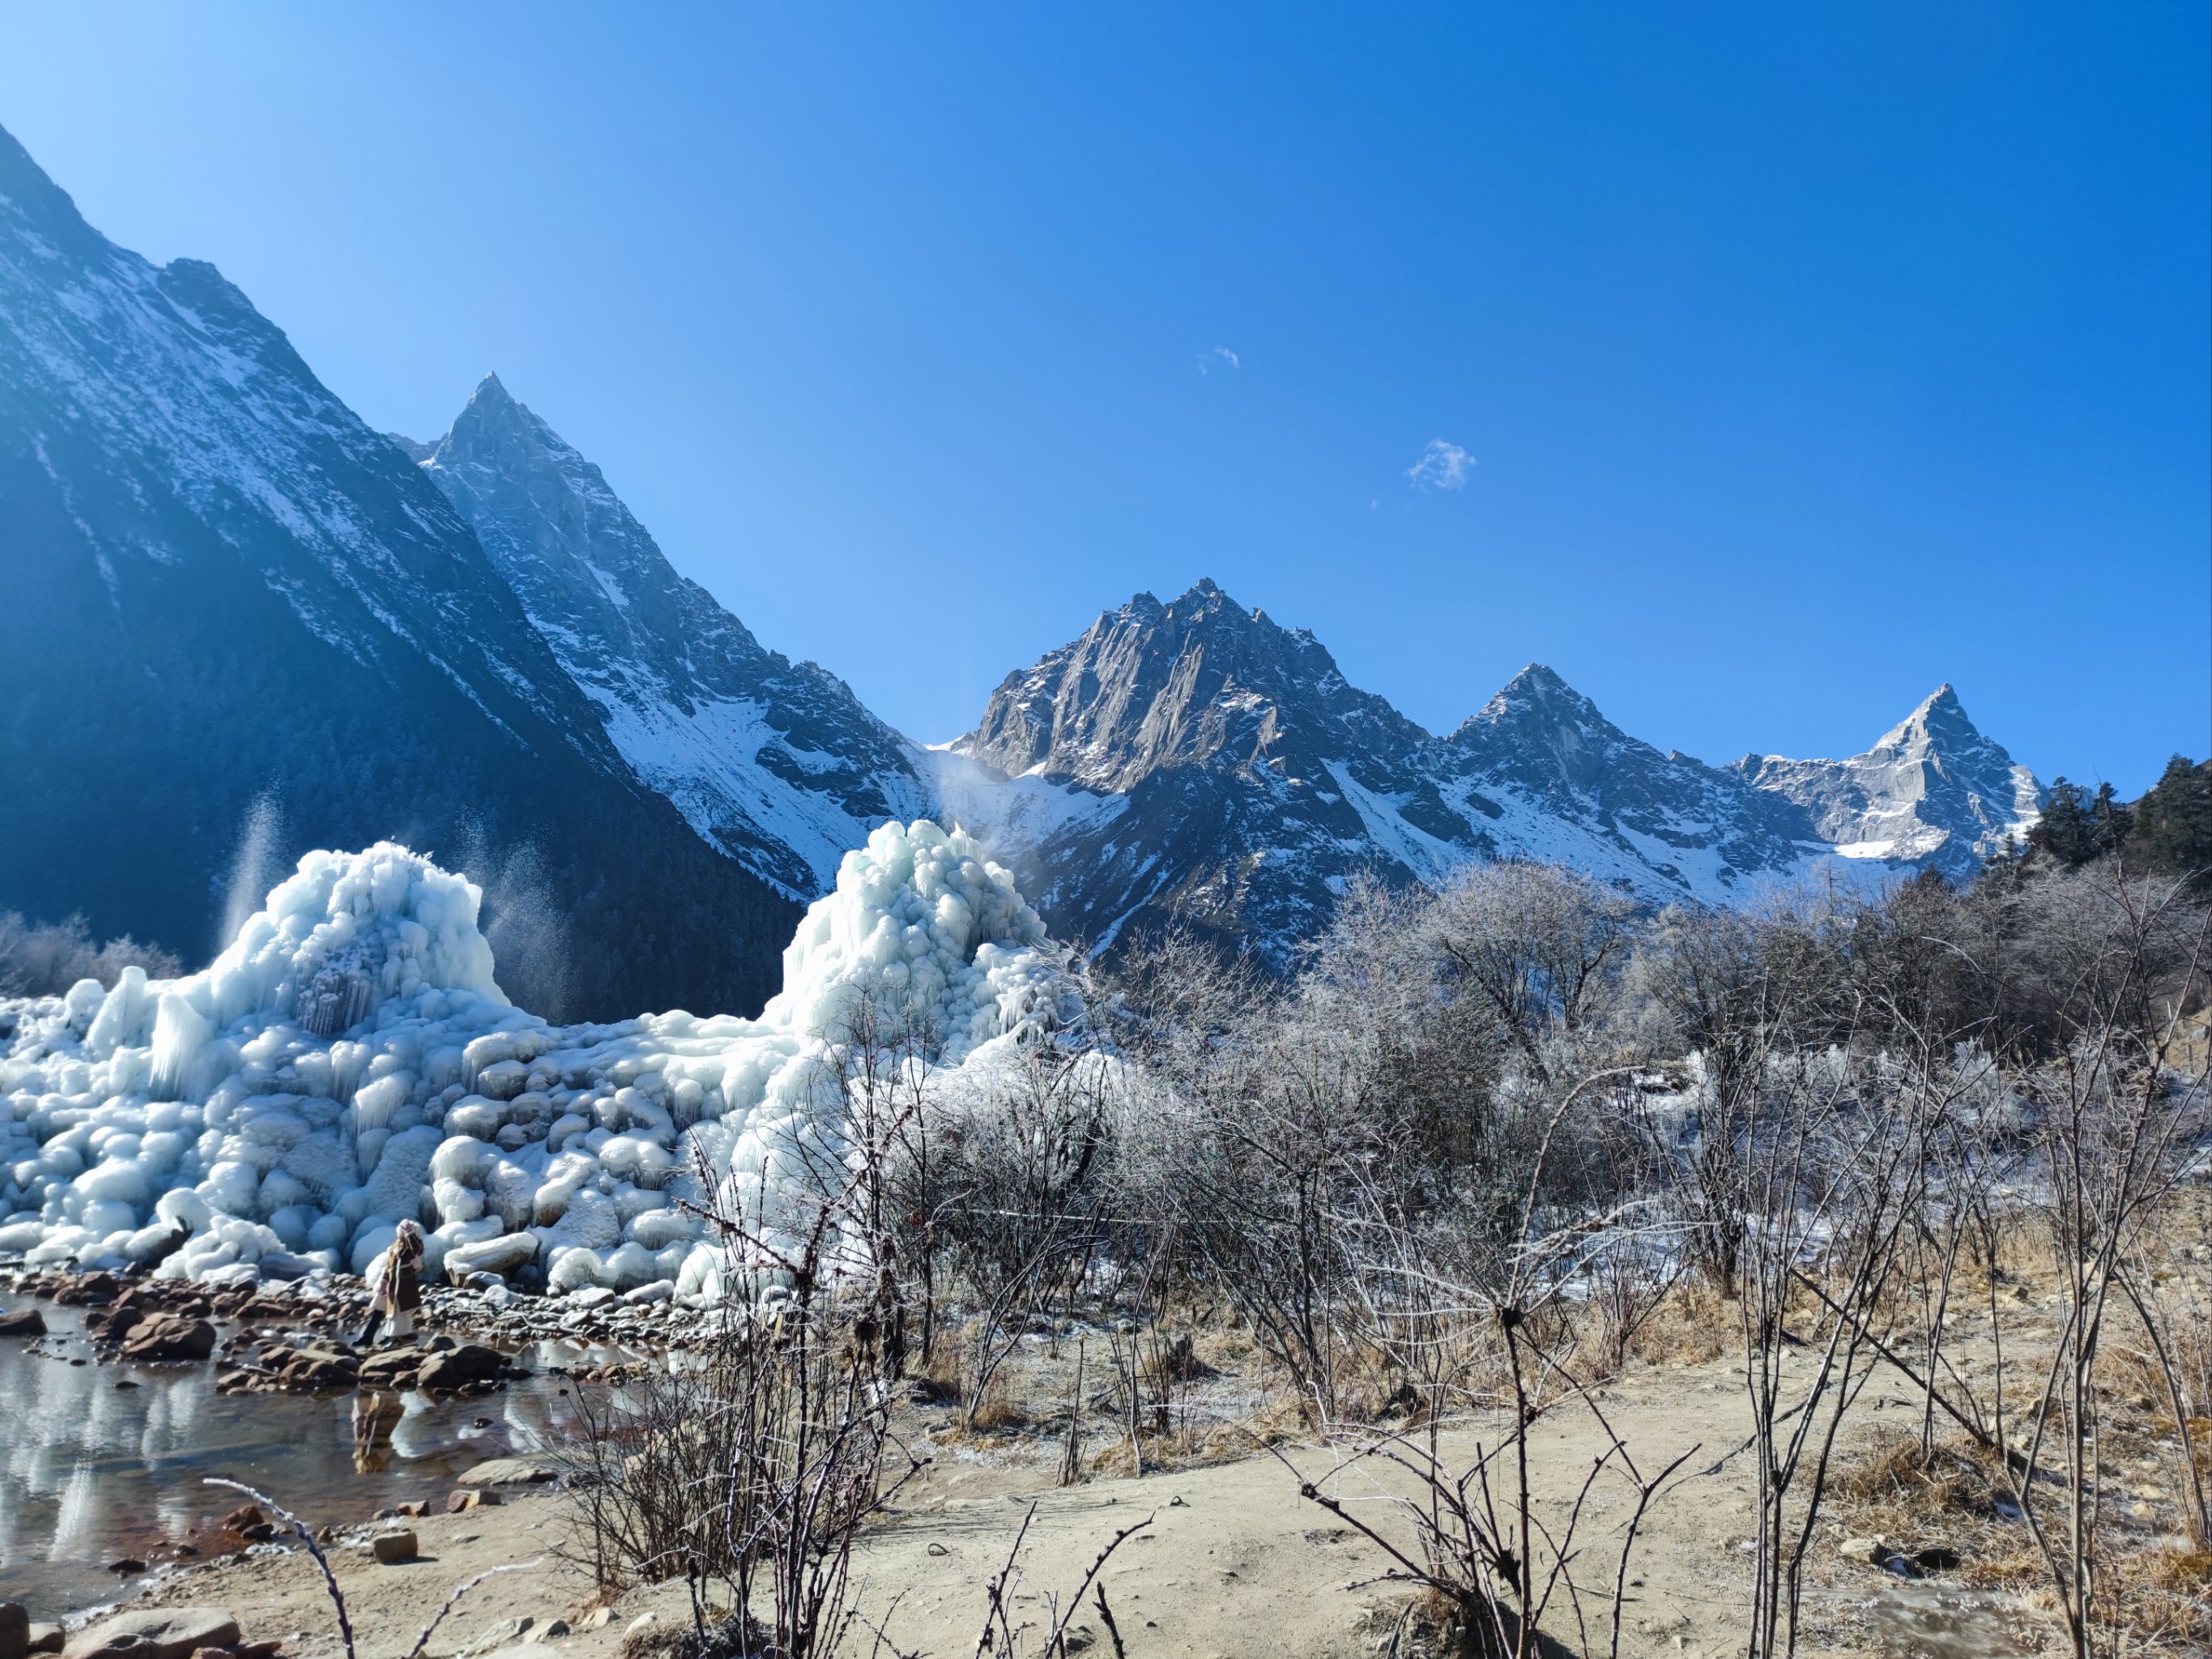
(1233, 1562)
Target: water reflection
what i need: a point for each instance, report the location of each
(375, 1416)
(90, 1471)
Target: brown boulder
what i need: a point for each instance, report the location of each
(460, 1368)
(395, 1368)
(24, 1322)
(114, 1323)
(87, 1290)
(319, 1368)
(14, 1631)
(166, 1339)
(393, 1547)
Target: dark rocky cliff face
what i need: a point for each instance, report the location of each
(222, 587)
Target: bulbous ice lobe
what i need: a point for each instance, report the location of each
(349, 1061)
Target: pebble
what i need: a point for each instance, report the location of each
(393, 1547)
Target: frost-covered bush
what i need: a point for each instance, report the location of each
(350, 1061)
(45, 959)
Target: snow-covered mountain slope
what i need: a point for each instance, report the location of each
(222, 587)
(1196, 761)
(1934, 791)
(779, 765)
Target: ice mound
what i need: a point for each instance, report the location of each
(349, 1061)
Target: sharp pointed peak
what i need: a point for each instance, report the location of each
(491, 390)
(1938, 717)
(1537, 677)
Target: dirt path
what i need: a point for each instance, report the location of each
(1234, 1562)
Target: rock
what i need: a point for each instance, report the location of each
(154, 1633)
(469, 1364)
(88, 1291)
(594, 1296)
(597, 1619)
(510, 1472)
(245, 1516)
(557, 1627)
(395, 1368)
(167, 1339)
(24, 1322)
(15, 1629)
(1936, 1557)
(660, 1291)
(266, 1650)
(393, 1547)
(215, 1653)
(1871, 1551)
(316, 1367)
(48, 1638)
(114, 1324)
(127, 1566)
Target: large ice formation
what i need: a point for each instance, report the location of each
(349, 1060)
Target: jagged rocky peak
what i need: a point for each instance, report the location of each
(1542, 733)
(1934, 788)
(1191, 682)
(776, 764)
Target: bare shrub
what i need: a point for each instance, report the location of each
(44, 959)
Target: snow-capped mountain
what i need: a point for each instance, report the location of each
(1933, 791)
(1208, 764)
(222, 587)
(1198, 760)
(776, 764)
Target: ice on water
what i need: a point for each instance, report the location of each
(349, 1060)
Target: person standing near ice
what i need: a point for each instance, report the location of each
(395, 1286)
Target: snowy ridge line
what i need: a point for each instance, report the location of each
(350, 1061)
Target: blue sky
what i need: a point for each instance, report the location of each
(1799, 357)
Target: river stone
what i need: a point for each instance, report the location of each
(509, 1472)
(24, 1322)
(154, 1633)
(459, 1367)
(391, 1549)
(14, 1631)
(170, 1337)
(319, 1368)
(48, 1638)
(1872, 1551)
(395, 1368)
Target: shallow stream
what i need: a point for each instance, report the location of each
(93, 1470)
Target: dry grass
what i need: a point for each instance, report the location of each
(1692, 1327)
(1947, 1512)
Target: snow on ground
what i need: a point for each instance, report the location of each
(350, 1060)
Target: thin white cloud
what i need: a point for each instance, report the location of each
(1443, 466)
(1208, 361)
